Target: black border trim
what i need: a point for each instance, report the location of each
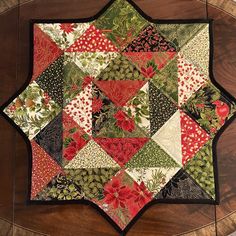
(86, 202)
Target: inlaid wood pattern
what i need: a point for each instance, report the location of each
(6, 5)
(67, 220)
(8, 229)
(228, 6)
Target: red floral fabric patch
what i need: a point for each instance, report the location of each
(74, 137)
(120, 91)
(43, 169)
(121, 149)
(193, 137)
(93, 40)
(45, 52)
(124, 197)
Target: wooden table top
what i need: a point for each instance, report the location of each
(66, 220)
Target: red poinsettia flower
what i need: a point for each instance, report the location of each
(67, 27)
(141, 194)
(96, 105)
(120, 115)
(116, 194)
(74, 146)
(148, 73)
(86, 81)
(122, 152)
(70, 151)
(80, 142)
(124, 122)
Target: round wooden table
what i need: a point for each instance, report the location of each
(16, 218)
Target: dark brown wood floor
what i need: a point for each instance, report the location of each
(73, 220)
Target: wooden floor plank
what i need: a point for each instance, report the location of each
(8, 64)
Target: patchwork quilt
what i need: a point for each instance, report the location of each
(122, 111)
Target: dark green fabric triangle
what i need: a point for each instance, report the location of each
(161, 108)
(167, 80)
(61, 187)
(51, 80)
(151, 155)
(120, 68)
(73, 80)
(50, 138)
(121, 21)
(179, 34)
(201, 169)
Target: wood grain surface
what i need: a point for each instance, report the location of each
(228, 6)
(81, 220)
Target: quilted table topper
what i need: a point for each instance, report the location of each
(122, 111)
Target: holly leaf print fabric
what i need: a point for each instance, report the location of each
(121, 111)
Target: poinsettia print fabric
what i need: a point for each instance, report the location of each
(65, 34)
(121, 112)
(123, 198)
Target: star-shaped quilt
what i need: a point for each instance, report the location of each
(122, 111)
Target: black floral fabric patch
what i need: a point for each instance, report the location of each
(51, 80)
(209, 108)
(102, 109)
(149, 40)
(161, 108)
(50, 138)
(182, 186)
